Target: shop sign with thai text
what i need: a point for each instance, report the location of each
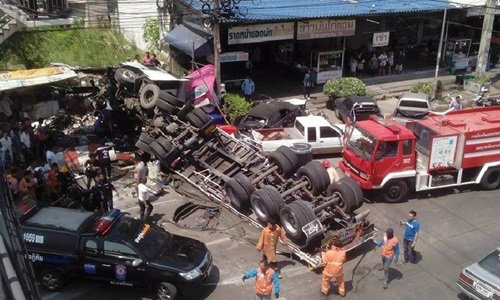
(318, 29)
(381, 39)
(260, 33)
(233, 56)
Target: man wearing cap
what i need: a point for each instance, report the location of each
(267, 244)
(333, 260)
(389, 249)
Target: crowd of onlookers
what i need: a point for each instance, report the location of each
(149, 59)
(379, 62)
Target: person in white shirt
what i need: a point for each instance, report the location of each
(6, 142)
(51, 156)
(26, 144)
(145, 194)
(141, 171)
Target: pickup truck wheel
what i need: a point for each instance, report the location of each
(263, 206)
(293, 217)
(275, 196)
(358, 192)
(284, 165)
(346, 195)
(146, 138)
(171, 99)
(291, 156)
(237, 194)
(316, 176)
(125, 76)
(143, 146)
(148, 96)
(166, 291)
(51, 279)
(395, 191)
(491, 179)
(164, 105)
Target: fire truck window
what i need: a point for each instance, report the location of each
(407, 149)
(386, 149)
(311, 134)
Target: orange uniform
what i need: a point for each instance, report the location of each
(268, 241)
(333, 261)
(264, 282)
(389, 247)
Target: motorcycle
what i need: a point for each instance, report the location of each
(482, 101)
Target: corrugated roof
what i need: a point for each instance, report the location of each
(267, 10)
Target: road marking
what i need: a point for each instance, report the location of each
(221, 240)
(154, 204)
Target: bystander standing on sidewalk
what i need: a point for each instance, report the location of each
(308, 84)
(248, 88)
(265, 279)
(389, 250)
(410, 237)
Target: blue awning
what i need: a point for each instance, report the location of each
(188, 41)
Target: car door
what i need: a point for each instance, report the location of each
(120, 269)
(386, 159)
(329, 140)
(93, 264)
(312, 138)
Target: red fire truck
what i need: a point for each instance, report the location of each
(442, 150)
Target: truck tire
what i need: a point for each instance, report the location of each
(491, 179)
(291, 156)
(264, 207)
(125, 76)
(284, 165)
(358, 192)
(303, 152)
(166, 291)
(346, 194)
(146, 138)
(337, 114)
(395, 191)
(165, 143)
(316, 176)
(275, 196)
(171, 99)
(245, 183)
(143, 146)
(148, 96)
(158, 150)
(164, 105)
(194, 120)
(237, 194)
(293, 217)
(201, 114)
(51, 279)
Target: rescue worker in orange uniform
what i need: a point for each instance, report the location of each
(333, 260)
(265, 279)
(389, 249)
(267, 244)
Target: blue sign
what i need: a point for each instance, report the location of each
(89, 269)
(120, 272)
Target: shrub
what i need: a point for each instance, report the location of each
(482, 79)
(422, 87)
(344, 87)
(236, 107)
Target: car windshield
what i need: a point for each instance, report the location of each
(416, 104)
(150, 241)
(361, 143)
(491, 263)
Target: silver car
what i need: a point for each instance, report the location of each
(413, 105)
(481, 280)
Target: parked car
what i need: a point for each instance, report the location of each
(481, 280)
(413, 105)
(314, 130)
(270, 115)
(63, 243)
(356, 108)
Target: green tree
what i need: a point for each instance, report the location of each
(152, 34)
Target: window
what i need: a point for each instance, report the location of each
(407, 147)
(311, 134)
(386, 149)
(299, 127)
(117, 249)
(91, 247)
(327, 132)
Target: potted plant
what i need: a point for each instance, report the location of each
(342, 88)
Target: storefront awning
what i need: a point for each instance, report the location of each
(188, 41)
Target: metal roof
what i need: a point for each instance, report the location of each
(268, 10)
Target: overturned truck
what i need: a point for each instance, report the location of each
(286, 186)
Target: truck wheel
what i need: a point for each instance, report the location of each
(197, 118)
(143, 146)
(164, 105)
(347, 196)
(245, 182)
(166, 291)
(337, 114)
(237, 194)
(358, 192)
(285, 167)
(171, 99)
(148, 96)
(263, 206)
(491, 179)
(146, 138)
(293, 217)
(51, 279)
(275, 196)
(125, 76)
(158, 150)
(395, 191)
(316, 176)
(291, 156)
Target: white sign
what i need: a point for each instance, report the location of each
(324, 76)
(381, 39)
(317, 29)
(233, 56)
(443, 152)
(260, 33)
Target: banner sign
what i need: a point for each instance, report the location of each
(260, 33)
(318, 29)
(233, 56)
(381, 39)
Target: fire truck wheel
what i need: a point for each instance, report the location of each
(245, 182)
(164, 105)
(146, 139)
(291, 156)
(171, 99)
(316, 176)
(143, 146)
(284, 165)
(263, 206)
(148, 96)
(395, 191)
(491, 179)
(293, 217)
(275, 196)
(346, 194)
(125, 76)
(358, 192)
(238, 196)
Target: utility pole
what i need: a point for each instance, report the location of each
(217, 46)
(484, 46)
(440, 50)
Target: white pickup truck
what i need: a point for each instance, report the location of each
(314, 130)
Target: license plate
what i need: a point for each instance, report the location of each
(482, 290)
(312, 228)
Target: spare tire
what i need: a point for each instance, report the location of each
(125, 76)
(148, 96)
(347, 196)
(171, 99)
(303, 152)
(316, 176)
(237, 194)
(264, 207)
(164, 105)
(293, 217)
(284, 165)
(358, 192)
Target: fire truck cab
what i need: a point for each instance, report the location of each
(442, 150)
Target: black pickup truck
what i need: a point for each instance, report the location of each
(114, 248)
